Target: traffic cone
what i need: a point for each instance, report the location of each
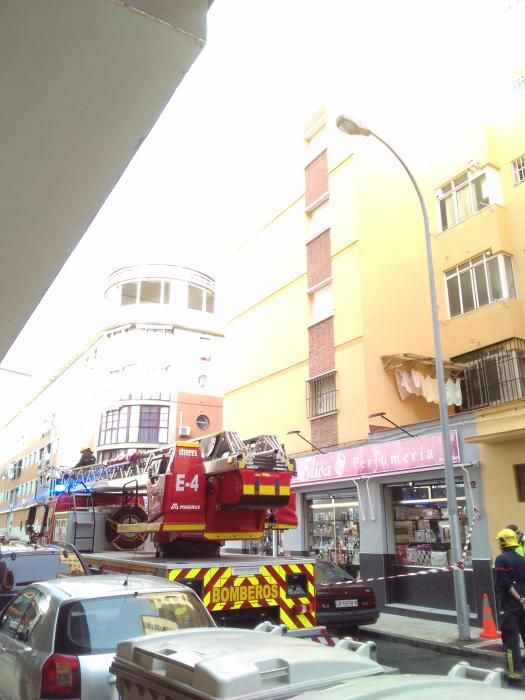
(489, 630)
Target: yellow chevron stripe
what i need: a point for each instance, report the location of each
(233, 535)
(305, 622)
(267, 573)
(173, 574)
(287, 620)
(158, 527)
(264, 490)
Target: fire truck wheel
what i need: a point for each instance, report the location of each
(126, 515)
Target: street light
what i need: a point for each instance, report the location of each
(14, 371)
(382, 414)
(353, 127)
(298, 432)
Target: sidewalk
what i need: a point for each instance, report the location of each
(429, 634)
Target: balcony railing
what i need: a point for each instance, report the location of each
(495, 374)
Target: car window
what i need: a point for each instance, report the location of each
(326, 572)
(96, 625)
(28, 565)
(21, 616)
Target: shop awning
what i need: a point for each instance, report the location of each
(407, 360)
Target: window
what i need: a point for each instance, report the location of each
(145, 292)
(519, 476)
(149, 423)
(22, 615)
(480, 281)
(96, 625)
(319, 219)
(519, 84)
(135, 424)
(467, 194)
(203, 422)
(518, 167)
(322, 304)
(128, 294)
(200, 299)
(321, 395)
(150, 292)
(195, 297)
(495, 374)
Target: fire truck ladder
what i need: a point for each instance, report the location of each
(83, 524)
(150, 463)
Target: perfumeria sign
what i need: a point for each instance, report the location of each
(408, 454)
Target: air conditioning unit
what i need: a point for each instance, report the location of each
(184, 430)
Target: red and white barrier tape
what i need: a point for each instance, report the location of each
(434, 570)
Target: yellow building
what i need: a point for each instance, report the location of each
(330, 343)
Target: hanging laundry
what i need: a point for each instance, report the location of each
(407, 383)
(417, 381)
(403, 393)
(427, 389)
(450, 391)
(458, 397)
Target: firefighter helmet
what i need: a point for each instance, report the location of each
(507, 538)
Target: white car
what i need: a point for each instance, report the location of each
(58, 638)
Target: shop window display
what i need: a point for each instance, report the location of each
(421, 524)
(333, 530)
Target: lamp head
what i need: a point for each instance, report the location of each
(351, 126)
(293, 432)
(377, 415)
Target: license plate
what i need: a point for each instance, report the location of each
(349, 603)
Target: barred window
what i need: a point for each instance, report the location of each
(321, 395)
(494, 375)
(518, 168)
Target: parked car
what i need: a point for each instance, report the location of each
(58, 637)
(22, 563)
(342, 604)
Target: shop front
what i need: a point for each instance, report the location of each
(381, 510)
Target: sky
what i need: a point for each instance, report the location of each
(225, 152)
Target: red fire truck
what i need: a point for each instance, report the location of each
(168, 512)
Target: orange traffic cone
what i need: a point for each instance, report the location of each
(489, 630)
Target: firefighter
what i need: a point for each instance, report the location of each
(520, 549)
(510, 581)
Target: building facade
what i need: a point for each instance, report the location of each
(151, 376)
(348, 309)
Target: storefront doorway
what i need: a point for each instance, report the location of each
(332, 521)
(417, 516)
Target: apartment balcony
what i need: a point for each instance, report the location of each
(495, 375)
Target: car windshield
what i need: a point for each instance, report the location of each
(97, 625)
(326, 572)
(28, 563)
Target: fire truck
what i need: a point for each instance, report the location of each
(169, 512)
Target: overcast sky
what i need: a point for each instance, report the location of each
(226, 150)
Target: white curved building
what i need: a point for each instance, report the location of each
(152, 375)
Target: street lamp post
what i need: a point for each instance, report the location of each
(353, 127)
